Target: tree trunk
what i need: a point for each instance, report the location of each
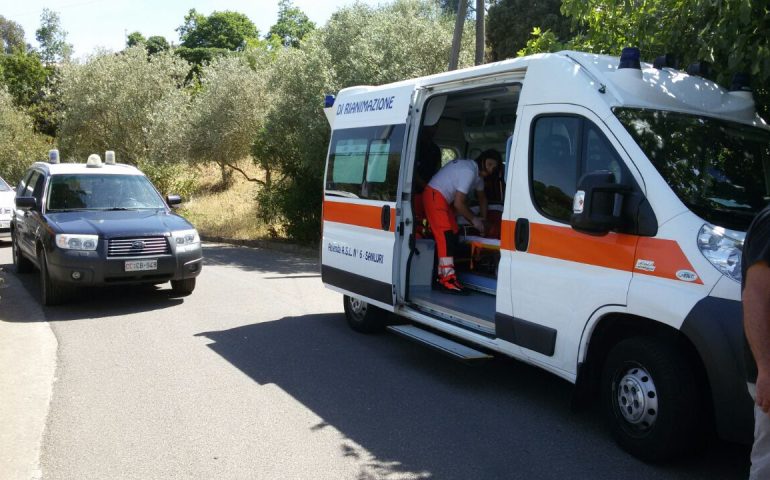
(454, 56)
(480, 33)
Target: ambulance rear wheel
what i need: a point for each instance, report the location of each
(363, 317)
(651, 400)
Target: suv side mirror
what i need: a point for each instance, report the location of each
(26, 203)
(173, 200)
(598, 203)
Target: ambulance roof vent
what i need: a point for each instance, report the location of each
(668, 60)
(629, 58)
(53, 156)
(700, 69)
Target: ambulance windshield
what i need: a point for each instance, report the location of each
(719, 169)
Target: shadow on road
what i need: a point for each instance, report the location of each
(414, 410)
(91, 302)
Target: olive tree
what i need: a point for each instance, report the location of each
(125, 102)
(20, 145)
(227, 113)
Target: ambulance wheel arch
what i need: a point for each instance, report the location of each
(668, 361)
(364, 317)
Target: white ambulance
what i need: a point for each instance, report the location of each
(626, 192)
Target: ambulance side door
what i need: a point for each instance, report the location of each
(360, 195)
(560, 276)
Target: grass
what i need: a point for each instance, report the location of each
(230, 213)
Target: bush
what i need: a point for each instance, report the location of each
(20, 145)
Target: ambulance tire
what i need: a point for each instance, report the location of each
(364, 318)
(650, 399)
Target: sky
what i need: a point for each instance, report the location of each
(105, 23)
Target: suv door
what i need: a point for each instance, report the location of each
(29, 221)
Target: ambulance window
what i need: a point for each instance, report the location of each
(598, 154)
(364, 162)
(555, 164)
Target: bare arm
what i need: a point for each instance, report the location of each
(756, 323)
(461, 207)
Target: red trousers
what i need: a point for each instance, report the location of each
(442, 221)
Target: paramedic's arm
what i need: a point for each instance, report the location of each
(483, 204)
(756, 323)
(461, 208)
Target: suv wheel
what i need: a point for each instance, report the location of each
(51, 291)
(22, 265)
(184, 287)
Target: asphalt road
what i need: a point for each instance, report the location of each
(256, 375)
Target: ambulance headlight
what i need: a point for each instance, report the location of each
(186, 239)
(723, 248)
(77, 242)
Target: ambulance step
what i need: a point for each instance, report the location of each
(442, 344)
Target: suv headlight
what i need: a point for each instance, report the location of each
(723, 248)
(186, 239)
(77, 242)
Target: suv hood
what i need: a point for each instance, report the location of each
(7, 200)
(116, 224)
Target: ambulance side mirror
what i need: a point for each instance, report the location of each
(597, 206)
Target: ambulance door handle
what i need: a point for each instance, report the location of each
(521, 235)
(385, 217)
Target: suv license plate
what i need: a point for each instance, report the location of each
(140, 265)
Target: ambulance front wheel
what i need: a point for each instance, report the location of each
(363, 317)
(651, 399)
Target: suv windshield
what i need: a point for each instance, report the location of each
(102, 192)
(719, 169)
(4, 186)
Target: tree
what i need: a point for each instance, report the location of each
(134, 39)
(52, 39)
(292, 24)
(227, 29)
(458, 34)
(227, 113)
(156, 44)
(11, 36)
(511, 23)
(24, 76)
(130, 103)
(19, 143)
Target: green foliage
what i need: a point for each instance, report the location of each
(156, 44)
(20, 145)
(228, 30)
(129, 103)
(170, 178)
(11, 36)
(24, 75)
(292, 24)
(134, 39)
(52, 39)
(541, 42)
(227, 111)
(511, 22)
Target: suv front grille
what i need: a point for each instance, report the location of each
(135, 247)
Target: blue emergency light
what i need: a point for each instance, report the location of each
(700, 69)
(629, 58)
(329, 101)
(741, 83)
(668, 60)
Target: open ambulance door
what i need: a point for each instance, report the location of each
(361, 189)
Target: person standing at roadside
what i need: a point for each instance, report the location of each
(755, 287)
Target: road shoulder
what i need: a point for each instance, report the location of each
(27, 369)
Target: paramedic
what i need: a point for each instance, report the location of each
(445, 197)
(756, 323)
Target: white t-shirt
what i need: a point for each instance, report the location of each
(457, 176)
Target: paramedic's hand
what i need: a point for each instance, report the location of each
(478, 224)
(763, 391)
